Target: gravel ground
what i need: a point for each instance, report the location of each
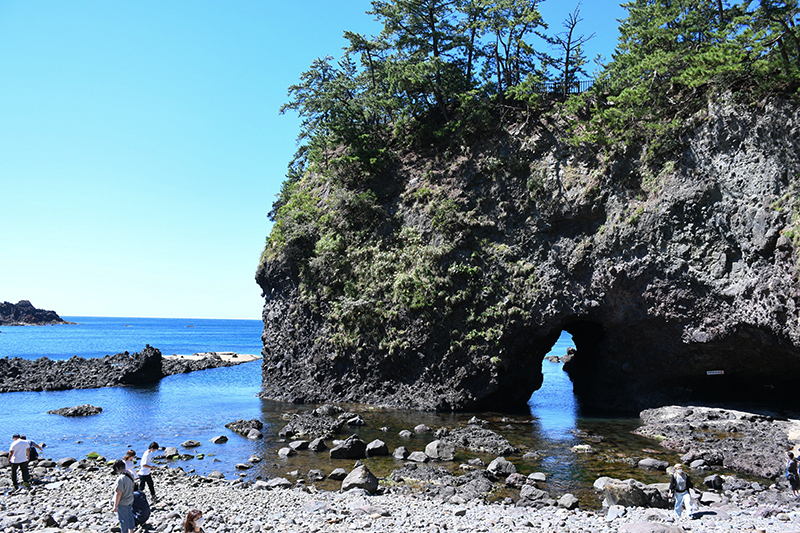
(80, 500)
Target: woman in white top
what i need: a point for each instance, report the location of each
(130, 455)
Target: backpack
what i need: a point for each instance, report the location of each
(33, 454)
(680, 483)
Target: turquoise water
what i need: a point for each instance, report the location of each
(198, 405)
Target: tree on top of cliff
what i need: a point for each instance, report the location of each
(672, 55)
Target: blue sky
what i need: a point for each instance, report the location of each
(141, 146)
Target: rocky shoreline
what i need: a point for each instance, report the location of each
(426, 490)
(139, 368)
(75, 496)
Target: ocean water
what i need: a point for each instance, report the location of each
(199, 404)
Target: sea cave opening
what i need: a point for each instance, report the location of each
(553, 406)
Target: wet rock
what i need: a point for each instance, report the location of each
(299, 445)
(405, 434)
(400, 453)
(516, 480)
(171, 452)
(421, 428)
(190, 443)
(355, 421)
(418, 457)
(255, 434)
(221, 439)
(78, 410)
(440, 450)
(311, 426)
(377, 447)
(286, 452)
(328, 410)
(338, 474)
(653, 464)
(501, 467)
(316, 475)
(351, 448)
(243, 427)
(480, 440)
(317, 445)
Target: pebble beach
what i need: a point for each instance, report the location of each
(74, 500)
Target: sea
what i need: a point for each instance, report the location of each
(197, 405)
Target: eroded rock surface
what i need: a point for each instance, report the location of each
(751, 443)
(678, 283)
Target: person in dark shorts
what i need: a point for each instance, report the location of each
(144, 470)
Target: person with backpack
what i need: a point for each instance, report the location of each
(791, 474)
(679, 485)
(141, 509)
(34, 455)
(123, 497)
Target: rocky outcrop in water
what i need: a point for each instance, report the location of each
(751, 443)
(138, 368)
(78, 410)
(23, 313)
(677, 281)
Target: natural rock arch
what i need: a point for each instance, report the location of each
(662, 286)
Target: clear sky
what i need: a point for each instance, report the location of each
(141, 146)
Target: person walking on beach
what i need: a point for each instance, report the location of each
(18, 457)
(791, 474)
(679, 485)
(194, 522)
(123, 497)
(145, 468)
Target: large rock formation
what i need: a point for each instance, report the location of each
(138, 368)
(676, 285)
(23, 313)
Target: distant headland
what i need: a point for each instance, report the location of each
(23, 313)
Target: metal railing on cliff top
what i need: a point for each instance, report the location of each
(557, 87)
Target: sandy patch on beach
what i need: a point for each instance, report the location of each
(228, 357)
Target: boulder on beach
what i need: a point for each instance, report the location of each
(78, 410)
(377, 447)
(440, 450)
(351, 448)
(360, 478)
(501, 467)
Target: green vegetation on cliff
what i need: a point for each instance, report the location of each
(373, 215)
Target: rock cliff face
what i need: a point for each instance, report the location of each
(23, 313)
(678, 285)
